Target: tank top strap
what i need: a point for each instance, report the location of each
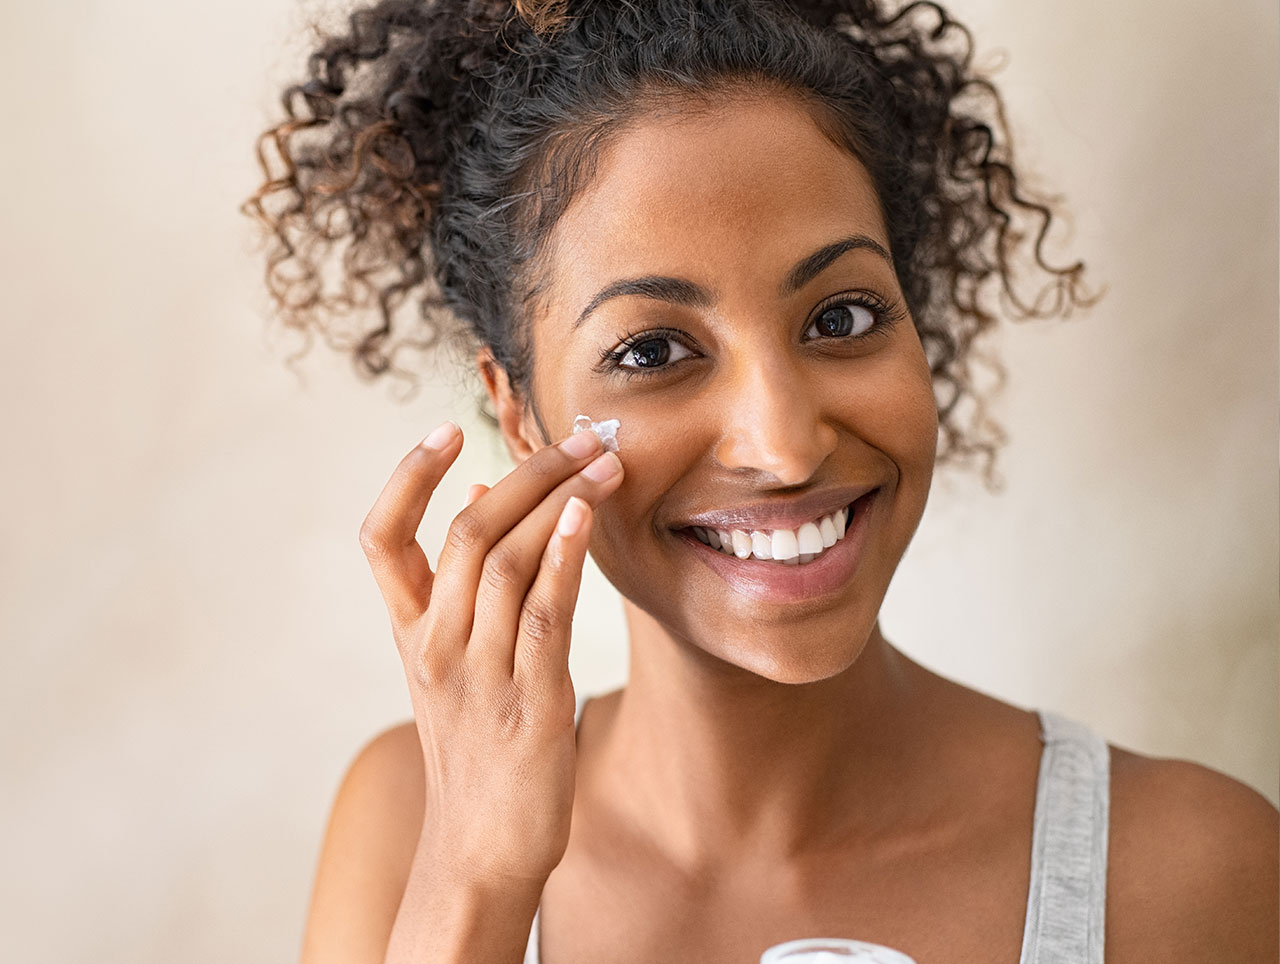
(531, 950)
(1067, 899)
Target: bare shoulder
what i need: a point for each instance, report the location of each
(1192, 867)
(390, 763)
(368, 850)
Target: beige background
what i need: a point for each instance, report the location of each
(193, 645)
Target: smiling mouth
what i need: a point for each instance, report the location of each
(788, 547)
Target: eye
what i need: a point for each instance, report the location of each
(842, 321)
(651, 351)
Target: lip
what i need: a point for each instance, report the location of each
(776, 583)
(778, 514)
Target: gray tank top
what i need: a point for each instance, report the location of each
(1064, 922)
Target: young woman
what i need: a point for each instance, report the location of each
(761, 235)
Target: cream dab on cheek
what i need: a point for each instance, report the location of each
(607, 431)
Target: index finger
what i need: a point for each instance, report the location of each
(389, 533)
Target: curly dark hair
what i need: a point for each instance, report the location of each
(436, 143)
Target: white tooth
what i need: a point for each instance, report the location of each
(827, 529)
(701, 533)
(713, 538)
(760, 547)
(726, 540)
(808, 556)
(783, 545)
(810, 539)
(741, 544)
(839, 520)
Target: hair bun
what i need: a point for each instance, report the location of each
(544, 17)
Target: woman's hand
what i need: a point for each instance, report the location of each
(485, 644)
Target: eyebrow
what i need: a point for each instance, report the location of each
(679, 291)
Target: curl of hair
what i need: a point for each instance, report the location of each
(424, 161)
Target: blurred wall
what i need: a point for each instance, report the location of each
(193, 645)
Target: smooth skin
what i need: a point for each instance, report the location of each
(772, 769)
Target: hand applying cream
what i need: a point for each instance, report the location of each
(606, 430)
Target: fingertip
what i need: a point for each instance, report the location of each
(476, 490)
(573, 517)
(580, 445)
(604, 469)
(442, 437)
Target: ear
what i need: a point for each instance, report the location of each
(517, 428)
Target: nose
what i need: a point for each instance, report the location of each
(772, 422)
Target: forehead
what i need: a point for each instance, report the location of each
(737, 191)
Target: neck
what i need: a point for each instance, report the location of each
(718, 763)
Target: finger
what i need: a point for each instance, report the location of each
(546, 620)
(477, 528)
(513, 564)
(389, 532)
(475, 490)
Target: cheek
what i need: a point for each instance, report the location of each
(655, 456)
(896, 408)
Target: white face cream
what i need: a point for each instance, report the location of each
(832, 951)
(607, 431)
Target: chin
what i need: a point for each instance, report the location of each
(791, 653)
(792, 668)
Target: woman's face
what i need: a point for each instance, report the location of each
(764, 380)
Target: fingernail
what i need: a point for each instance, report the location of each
(603, 468)
(581, 445)
(440, 438)
(572, 516)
